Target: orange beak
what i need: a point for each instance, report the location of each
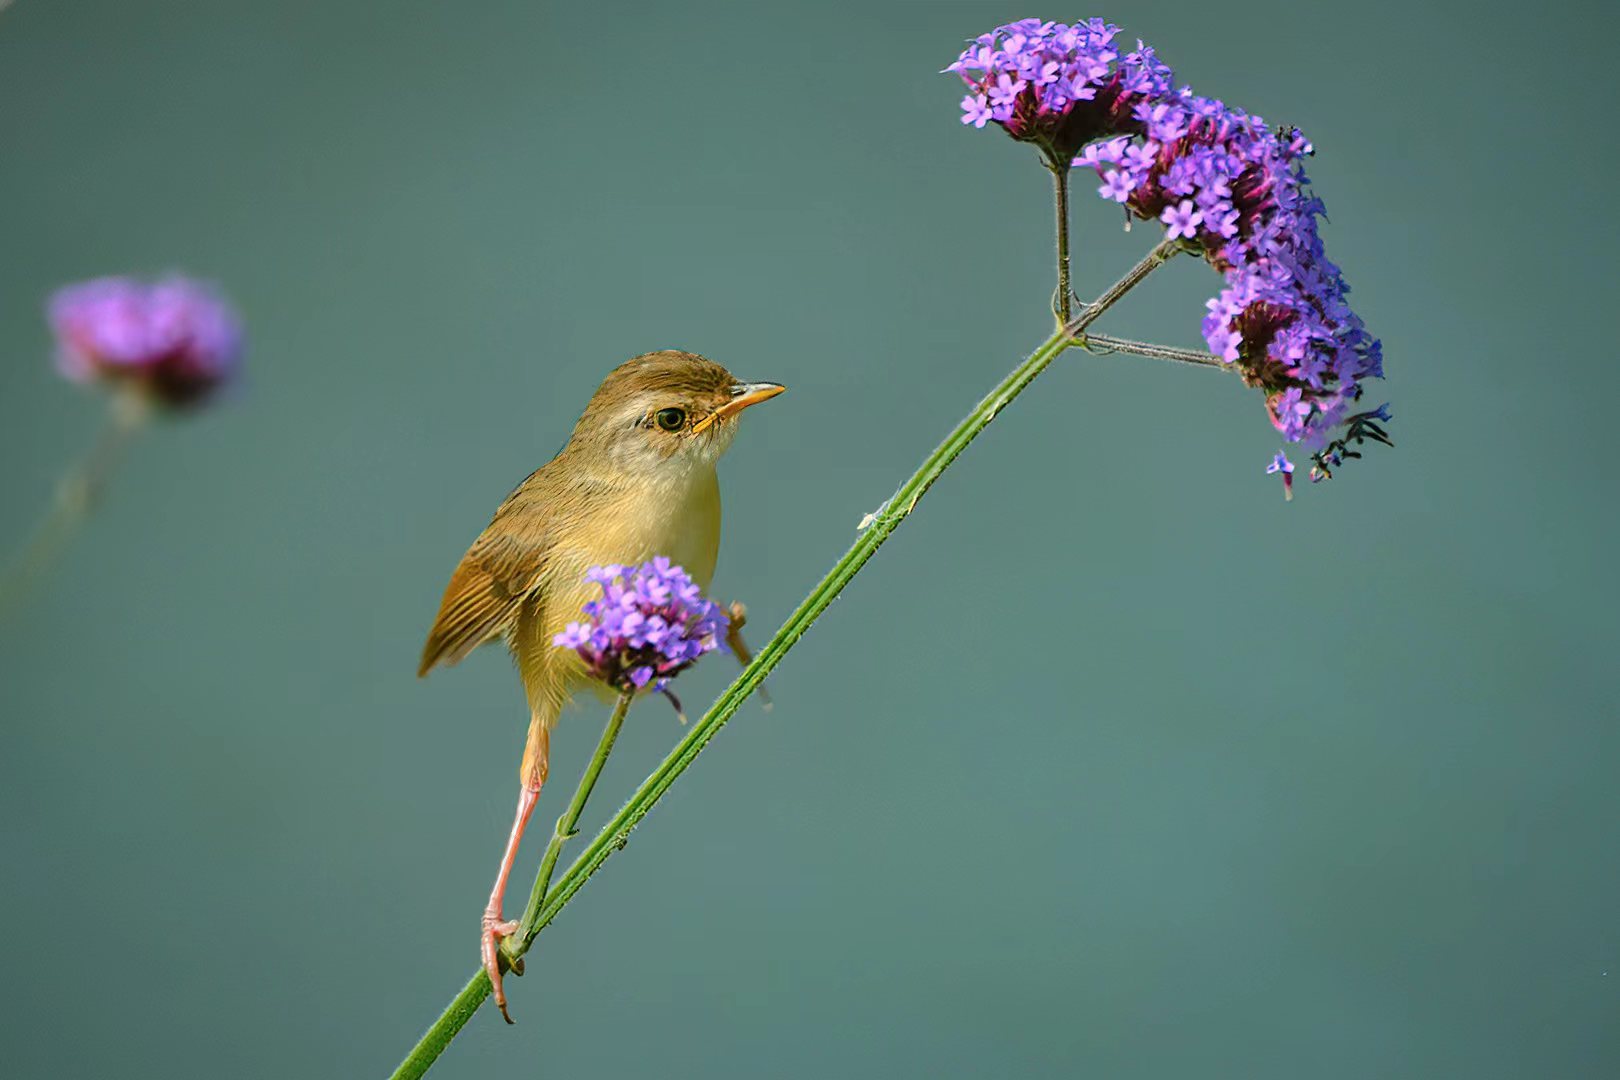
(742, 396)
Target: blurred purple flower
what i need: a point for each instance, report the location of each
(652, 623)
(176, 339)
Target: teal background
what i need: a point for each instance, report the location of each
(1111, 764)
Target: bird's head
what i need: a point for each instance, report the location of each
(666, 411)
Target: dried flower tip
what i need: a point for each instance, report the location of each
(1281, 464)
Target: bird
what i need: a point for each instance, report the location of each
(636, 479)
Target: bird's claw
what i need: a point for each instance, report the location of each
(494, 930)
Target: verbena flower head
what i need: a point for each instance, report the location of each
(1055, 85)
(176, 339)
(1222, 183)
(1236, 191)
(651, 623)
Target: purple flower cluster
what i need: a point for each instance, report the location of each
(1056, 85)
(1236, 190)
(176, 339)
(652, 623)
(1222, 183)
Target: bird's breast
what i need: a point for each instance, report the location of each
(677, 520)
(692, 532)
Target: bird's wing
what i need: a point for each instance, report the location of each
(500, 571)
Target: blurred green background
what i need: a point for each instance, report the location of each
(1111, 764)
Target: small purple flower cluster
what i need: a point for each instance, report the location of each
(652, 623)
(1222, 183)
(1056, 85)
(176, 339)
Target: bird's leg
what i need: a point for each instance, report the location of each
(738, 615)
(493, 927)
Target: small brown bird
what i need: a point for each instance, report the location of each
(637, 479)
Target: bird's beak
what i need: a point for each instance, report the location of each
(743, 394)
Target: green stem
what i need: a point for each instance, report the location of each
(1103, 344)
(566, 827)
(76, 495)
(478, 988)
(1065, 292)
(616, 833)
(1089, 313)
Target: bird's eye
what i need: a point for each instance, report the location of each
(671, 419)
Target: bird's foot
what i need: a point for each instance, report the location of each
(494, 930)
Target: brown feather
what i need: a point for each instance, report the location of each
(501, 569)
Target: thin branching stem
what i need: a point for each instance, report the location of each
(1103, 344)
(1091, 312)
